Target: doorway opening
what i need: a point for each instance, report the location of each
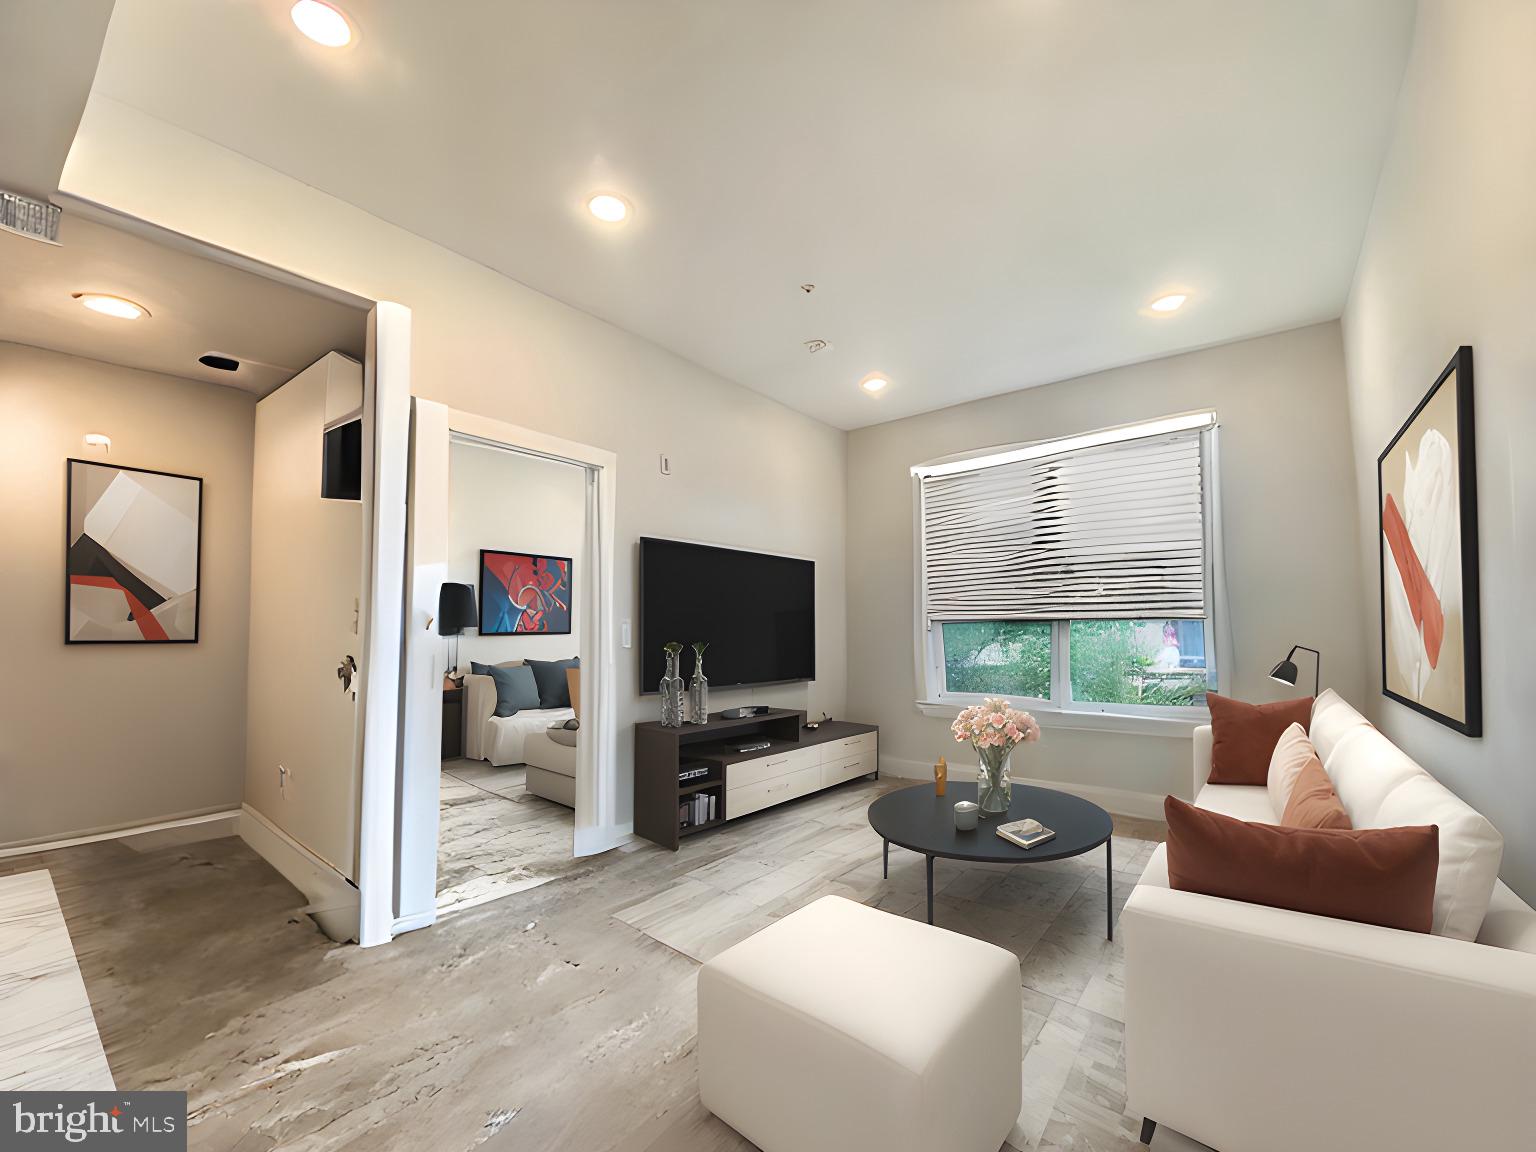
(202, 441)
(510, 724)
(517, 548)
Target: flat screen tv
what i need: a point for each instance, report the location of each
(756, 611)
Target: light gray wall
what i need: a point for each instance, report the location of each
(515, 503)
(97, 737)
(1450, 259)
(746, 471)
(1293, 561)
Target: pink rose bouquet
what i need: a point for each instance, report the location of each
(994, 729)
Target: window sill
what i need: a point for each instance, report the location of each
(1124, 723)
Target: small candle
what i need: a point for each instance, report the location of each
(940, 776)
(965, 816)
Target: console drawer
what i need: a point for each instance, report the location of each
(771, 765)
(849, 746)
(836, 771)
(751, 798)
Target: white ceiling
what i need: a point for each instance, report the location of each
(986, 193)
(47, 59)
(196, 306)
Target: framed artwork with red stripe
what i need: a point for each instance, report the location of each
(1431, 640)
(133, 555)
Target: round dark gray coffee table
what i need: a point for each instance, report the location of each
(917, 819)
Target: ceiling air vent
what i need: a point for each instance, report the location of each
(222, 363)
(27, 217)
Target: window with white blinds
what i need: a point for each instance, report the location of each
(1076, 575)
(1109, 531)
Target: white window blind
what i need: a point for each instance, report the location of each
(1110, 531)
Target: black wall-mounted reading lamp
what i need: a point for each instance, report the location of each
(1285, 671)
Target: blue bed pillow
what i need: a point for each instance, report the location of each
(554, 689)
(516, 689)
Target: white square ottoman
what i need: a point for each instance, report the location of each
(844, 1029)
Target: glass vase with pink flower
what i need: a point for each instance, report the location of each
(994, 728)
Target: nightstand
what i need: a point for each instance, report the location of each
(453, 721)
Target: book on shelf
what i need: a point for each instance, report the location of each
(700, 808)
(1025, 833)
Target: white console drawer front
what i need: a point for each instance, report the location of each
(774, 764)
(836, 771)
(850, 746)
(749, 798)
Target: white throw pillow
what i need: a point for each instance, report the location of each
(1292, 753)
(1333, 718)
(1471, 850)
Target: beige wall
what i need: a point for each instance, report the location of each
(96, 737)
(746, 471)
(1289, 528)
(515, 503)
(1450, 259)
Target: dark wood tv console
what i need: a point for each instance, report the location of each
(797, 762)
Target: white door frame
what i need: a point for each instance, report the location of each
(387, 410)
(433, 428)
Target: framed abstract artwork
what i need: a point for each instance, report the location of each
(524, 593)
(1431, 649)
(133, 553)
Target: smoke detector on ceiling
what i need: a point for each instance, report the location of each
(815, 346)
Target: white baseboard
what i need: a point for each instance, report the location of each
(1119, 801)
(412, 923)
(118, 833)
(333, 899)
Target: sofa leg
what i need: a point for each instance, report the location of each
(1148, 1127)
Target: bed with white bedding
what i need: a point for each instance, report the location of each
(499, 739)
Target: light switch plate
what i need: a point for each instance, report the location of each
(624, 634)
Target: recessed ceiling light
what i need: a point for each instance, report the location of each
(607, 208)
(873, 383)
(322, 23)
(1170, 303)
(112, 305)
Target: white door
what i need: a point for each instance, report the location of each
(303, 762)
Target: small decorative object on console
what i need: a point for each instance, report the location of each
(1025, 833)
(672, 689)
(745, 711)
(698, 687)
(757, 747)
(965, 816)
(941, 779)
(994, 728)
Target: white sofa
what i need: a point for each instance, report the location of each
(500, 739)
(1255, 1029)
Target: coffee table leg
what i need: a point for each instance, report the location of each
(885, 859)
(1109, 885)
(930, 889)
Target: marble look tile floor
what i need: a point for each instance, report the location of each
(496, 838)
(541, 1021)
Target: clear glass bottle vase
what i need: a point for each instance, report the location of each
(994, 789)
(672, 695)
(698, 691)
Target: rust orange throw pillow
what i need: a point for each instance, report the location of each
(1313, 802)
(1380, 876)
(1243, 736)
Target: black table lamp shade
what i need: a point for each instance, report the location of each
(456, 609)
(1285, 671)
